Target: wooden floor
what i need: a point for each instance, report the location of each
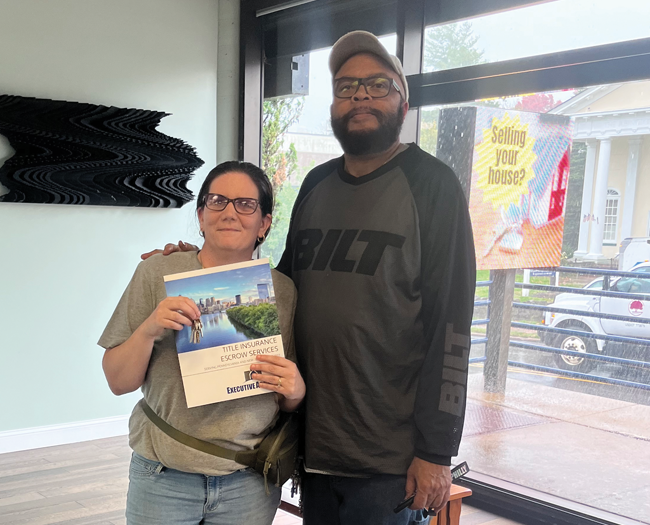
(86, 483)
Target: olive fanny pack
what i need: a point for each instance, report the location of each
(274, 458)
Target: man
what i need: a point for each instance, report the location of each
(380, 248)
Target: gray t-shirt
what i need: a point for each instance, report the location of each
(238, 424)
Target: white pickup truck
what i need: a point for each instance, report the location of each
(607, 305)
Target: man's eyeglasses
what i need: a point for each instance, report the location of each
(376, 87)
(242, 205)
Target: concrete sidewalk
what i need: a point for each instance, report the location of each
(580, 447)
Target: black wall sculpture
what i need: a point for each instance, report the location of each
(74, 153)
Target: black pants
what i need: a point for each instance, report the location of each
(335, 500)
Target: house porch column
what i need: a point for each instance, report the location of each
(600, 200)
(587, 190)
(630, 186)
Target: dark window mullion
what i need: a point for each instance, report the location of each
(319, 24)
(622, 62)
(410, 47)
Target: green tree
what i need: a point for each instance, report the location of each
(280, 164)
(274, 245)
(262, 318)
(278, 116)
(451, 45)
(445, 47)
(429, 129)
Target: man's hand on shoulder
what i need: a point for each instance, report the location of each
(431, 484)
(171, 248)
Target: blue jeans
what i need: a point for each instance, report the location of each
(335, 500)
(160, 495)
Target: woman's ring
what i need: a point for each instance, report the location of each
(279, 382)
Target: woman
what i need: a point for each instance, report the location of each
(169, 482)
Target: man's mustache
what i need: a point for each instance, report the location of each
(356, 111)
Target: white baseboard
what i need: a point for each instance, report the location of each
(51, 435)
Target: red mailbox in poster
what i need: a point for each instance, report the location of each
(516, 165)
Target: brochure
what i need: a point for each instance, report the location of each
(239, 320)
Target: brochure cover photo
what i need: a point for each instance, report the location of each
(239, 320)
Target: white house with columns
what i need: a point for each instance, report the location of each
(614, 122)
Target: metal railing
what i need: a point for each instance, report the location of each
(640, 343)
(479, 322)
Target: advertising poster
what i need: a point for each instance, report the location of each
(516, 166)
(239, 320)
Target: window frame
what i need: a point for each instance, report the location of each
(606, 64)
(618, 62)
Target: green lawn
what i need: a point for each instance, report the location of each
(535, 296)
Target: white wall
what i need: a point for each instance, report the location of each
(63, 268)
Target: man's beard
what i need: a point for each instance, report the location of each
(371, 141)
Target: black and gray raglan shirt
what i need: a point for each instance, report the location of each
(385, 270)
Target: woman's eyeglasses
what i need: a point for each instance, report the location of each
(242, 205)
